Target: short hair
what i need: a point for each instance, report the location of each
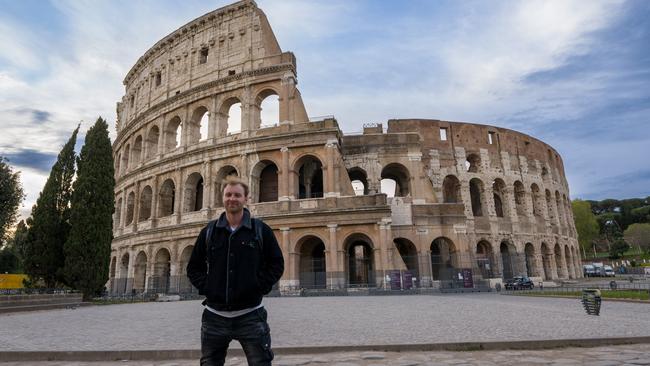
(233, 180)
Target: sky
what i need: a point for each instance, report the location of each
(574, 74)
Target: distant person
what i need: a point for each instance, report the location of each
(236, 260)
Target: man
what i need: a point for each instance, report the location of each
(236, 260)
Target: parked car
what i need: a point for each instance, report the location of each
(518, 283)
(588, 270)
(609, 271)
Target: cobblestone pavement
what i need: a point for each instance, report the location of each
(600, 356)
(328, 321)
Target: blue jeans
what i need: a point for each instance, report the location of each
(251, 330)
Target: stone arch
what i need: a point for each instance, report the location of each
(130, 206)
(140, 272)
(360, 263)
(193, 193)
(500, 198)
(224, 171)
(508, 259)
(312, 265)
(172, 133)
(557, 251)
(476, 195)
(568, 259)
(473, 163)
(184, 284)
(166, 198)
(520, 198)
(547, 257)
(161, 271)
(146, 198)
(151, 146)
(537, 200)
(400, 175)
(444, 258)
(198, 124)
(231, 110)
(118, 213)
(451, 189)
(309, 181)
(111, 274)
(408, 256)
(267, 98)
(359, 180)
(531, 263)
(264, 181)
(118, 159)
(485, 258)
(137, 150)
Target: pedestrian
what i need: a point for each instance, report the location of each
(235, 261)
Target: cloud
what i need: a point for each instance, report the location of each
(34, 159)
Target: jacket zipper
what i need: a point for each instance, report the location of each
(228, 266)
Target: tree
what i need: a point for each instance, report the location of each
(50, 218)
(639, 235)
(586, 224)
(11, 196)
(11, 256)
(88, 248)
(618, 248)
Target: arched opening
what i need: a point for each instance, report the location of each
(118, 159)
(193, 193)
(476, 195)
(130, 202)
(451, 189)
(507, 254)
(111, 275)
(560, 208)
(484, 257)
(137, 150)
(152, 142)
(140, 272)
(443, 259)
(537, 200)
(359, 180)
(173, 133)
(198, 125)
(558, 260)
(547, 256)
(400, 175)
(146, 197)
(569, 262)
(520, 198)
(234, 118)
(161, 272)
(224, 172)
(312, 263)
(499, 195)
(360, 261)
(167, 198)
(473, 163)
(265, 181)
(408, 257)
(531, 266)
(122, 284)
(184, 285)
(125, 158)
(269, 103)
(310, 177)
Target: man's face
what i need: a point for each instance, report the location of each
(234, 198)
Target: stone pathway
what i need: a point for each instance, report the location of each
(599, 356)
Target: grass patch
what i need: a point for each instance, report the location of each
(605, 294)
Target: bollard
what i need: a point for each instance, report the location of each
(591, 301)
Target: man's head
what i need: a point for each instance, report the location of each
(235, 194)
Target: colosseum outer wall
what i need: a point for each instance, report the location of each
(469, 200)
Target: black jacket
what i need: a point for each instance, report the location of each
(238, 270)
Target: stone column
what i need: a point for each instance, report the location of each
(155, 201)
(178, 205)
(284, 175)
(333, 271)
(206, 172)
(136, 207)
(416, 179)
(287, 85)
(329, 169)
(288, 279)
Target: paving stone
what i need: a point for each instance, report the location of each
(640, 361)
(604, 363)
(373, 356)
(292, 362)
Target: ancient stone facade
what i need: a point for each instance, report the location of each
(467, 197)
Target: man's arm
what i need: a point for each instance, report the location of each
(197, 269)
(273, 263)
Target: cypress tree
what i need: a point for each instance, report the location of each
(49, 226)
(11, 195)
(88, 248)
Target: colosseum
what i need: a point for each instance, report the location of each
(420, 203)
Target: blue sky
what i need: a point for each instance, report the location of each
(575, 74)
